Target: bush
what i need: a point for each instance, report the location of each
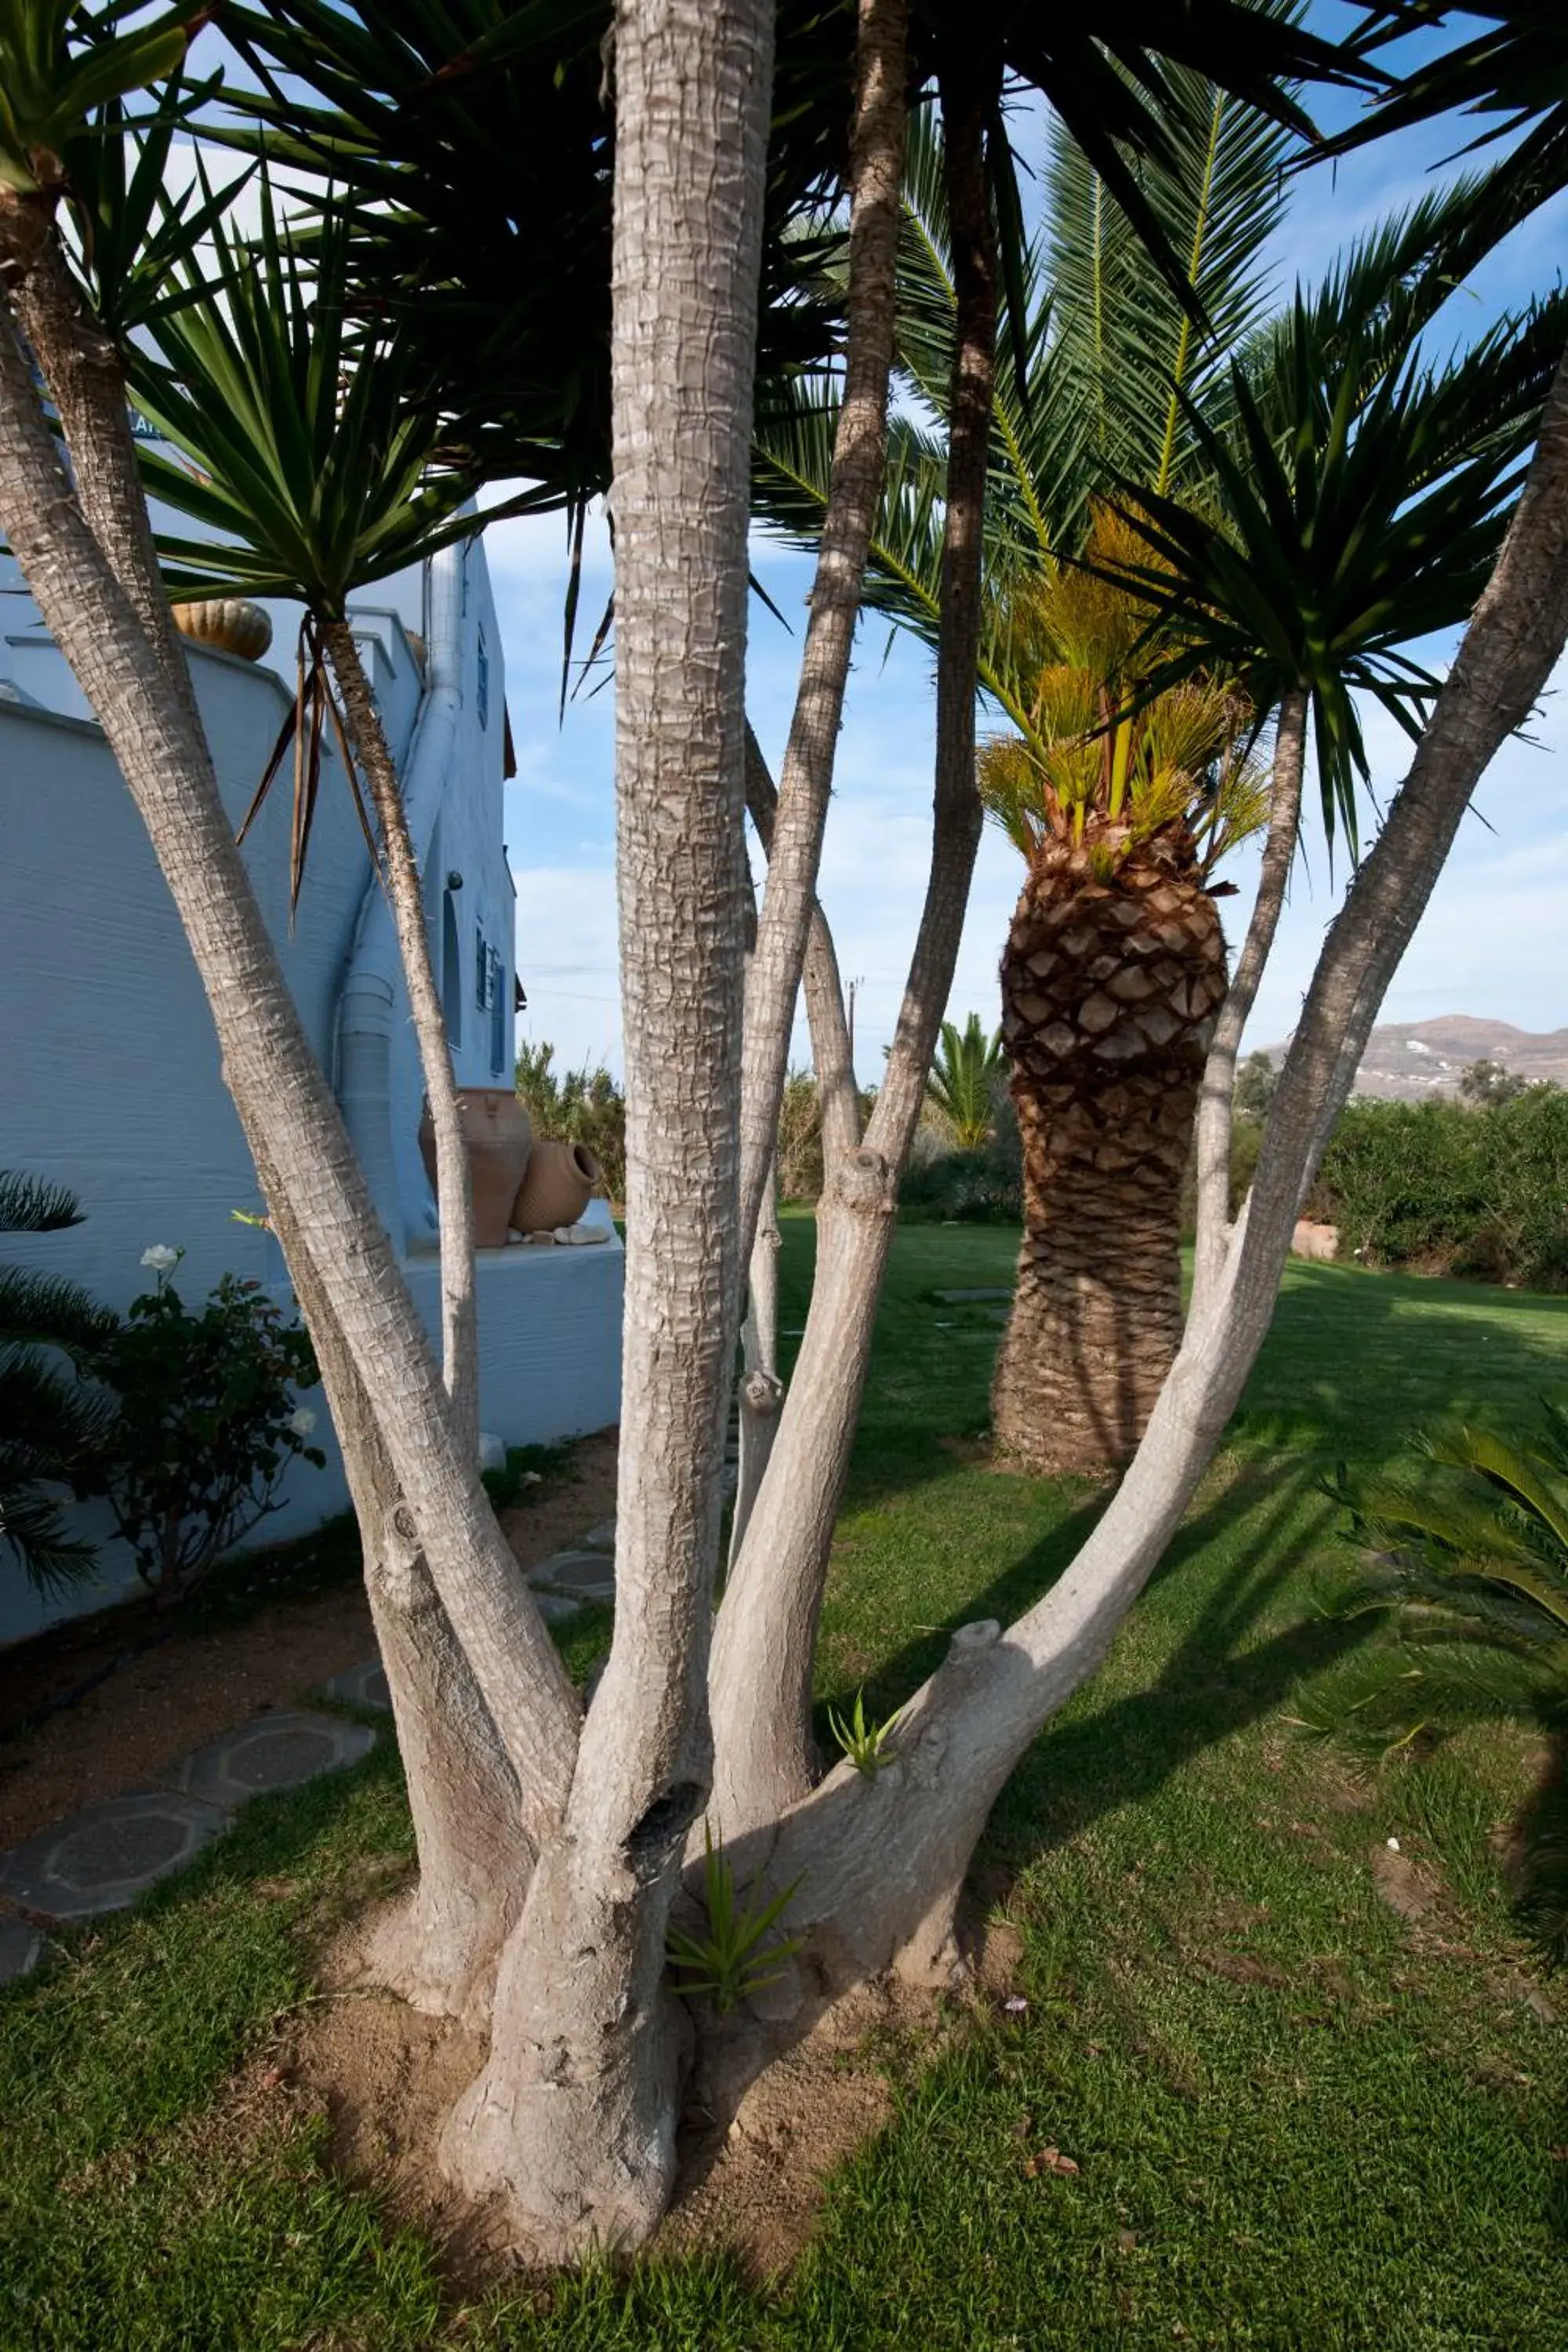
(1482, 1191)
(50, 1422)
(583, 1105)
(206, 1424)
(971, 1188)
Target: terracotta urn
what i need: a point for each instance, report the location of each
(498, 1133)
(557, 1188)
(231, 624)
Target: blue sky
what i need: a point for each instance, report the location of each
(1490, 944)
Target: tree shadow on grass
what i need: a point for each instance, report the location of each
(1215, 1681)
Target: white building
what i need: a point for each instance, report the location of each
(110, 1079)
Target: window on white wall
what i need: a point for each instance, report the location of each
(451, 969)
(483, 658)
(498, 1013)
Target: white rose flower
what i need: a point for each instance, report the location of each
(161, 1258)
(303, 1422)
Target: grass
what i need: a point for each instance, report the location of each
(1299, 2120)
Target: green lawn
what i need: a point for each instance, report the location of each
(1300, 2122)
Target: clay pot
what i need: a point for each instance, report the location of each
(498, 1133)
(231, 624)
(557, 1188)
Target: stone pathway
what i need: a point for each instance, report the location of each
(108, 1856)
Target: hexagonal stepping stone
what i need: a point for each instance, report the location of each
(278, 1751)
(586, 1575)
(21, 1949)
(554, 1606)
(362, 1686)
(107, 1856)
(973, 1297)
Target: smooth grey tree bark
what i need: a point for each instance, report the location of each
(454, 1189)
(282, 1096)
(572, 2123)
(854, 494)
(1219, 1088)
(764, 1650)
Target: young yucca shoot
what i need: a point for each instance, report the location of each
(726, 1962)
(862, 1742)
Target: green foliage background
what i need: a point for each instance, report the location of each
(1450, 1189)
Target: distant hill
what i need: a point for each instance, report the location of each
(1407, 1061)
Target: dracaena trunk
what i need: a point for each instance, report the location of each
(572, 2124)
(854, 493)
(1217, 1096)
(439, 1940)
(282, 1097)
(764, 1651)
(879, 1859)
(454, 1190)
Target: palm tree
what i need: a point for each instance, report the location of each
(49, 1425)
(1118, 395)
(960, 1092)
(1466, 1567)
(1113, 971)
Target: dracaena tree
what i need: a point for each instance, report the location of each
(301, 451)
(552, 1841)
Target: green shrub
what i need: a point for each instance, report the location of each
(205, 1421)
(1482, 1191)
(584, 1107)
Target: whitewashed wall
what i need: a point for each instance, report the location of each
(110, 1080)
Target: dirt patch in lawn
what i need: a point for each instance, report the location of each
(193, 1686)
(752, 2168)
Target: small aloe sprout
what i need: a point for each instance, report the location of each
(862, 1742)
(727, 1962)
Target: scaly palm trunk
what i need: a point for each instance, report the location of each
(1113, 975)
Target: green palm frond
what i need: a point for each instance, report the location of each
(1467, 1553)
(1093, 742)
(31, 1205)
(60, 65)
(300, 442)
(48, 1310)
(1360, 508)
(299, 449)
(961, 1088)
(1509, 80)
(1127, 342)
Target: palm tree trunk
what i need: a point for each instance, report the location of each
(1111, 982)
(572, 2124)
(1219, 1071)
(854, 489)
(283, 1099)
(765, 1647)
(454, 1190)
